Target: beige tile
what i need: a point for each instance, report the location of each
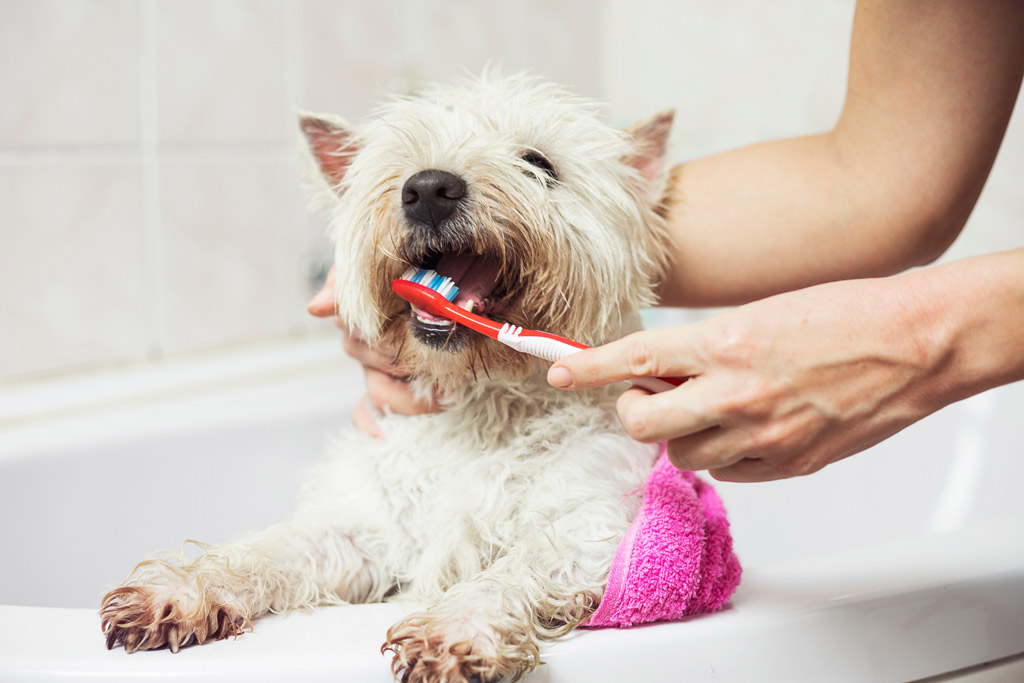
(352, 51)
(69, 72)
(221, 71)
(741, 71)
(315, 251)
(556, 39)
(356, 51)
(71, 268)
(231, 265)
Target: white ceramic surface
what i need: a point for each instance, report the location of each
(845, 576)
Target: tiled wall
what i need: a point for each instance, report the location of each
(150, 199)
(150, 178)
(149, 175)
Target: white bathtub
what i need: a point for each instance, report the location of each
(899, 564)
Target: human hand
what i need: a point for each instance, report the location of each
(780, 387)
(386, 387)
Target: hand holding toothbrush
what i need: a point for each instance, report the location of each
(784, 386)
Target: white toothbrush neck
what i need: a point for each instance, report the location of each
(540, 347)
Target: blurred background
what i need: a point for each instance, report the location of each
(150, 179)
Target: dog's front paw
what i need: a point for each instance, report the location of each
(148, 617)
(429, 648)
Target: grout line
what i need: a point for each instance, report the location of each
(57, 155)
(295, 67)
(296, 207)
(130, 154)
(152, 229)
(294, 89)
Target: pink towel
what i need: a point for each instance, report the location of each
(676, 559)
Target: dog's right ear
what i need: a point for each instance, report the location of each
(650, 141)
(332, 143)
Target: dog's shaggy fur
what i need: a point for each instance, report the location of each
(502, 512)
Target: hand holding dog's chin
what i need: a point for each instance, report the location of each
(386, 389)
(780, 387)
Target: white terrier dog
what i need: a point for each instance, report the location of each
(502, 512)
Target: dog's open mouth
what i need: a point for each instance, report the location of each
(482, 289)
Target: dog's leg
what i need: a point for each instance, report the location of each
(221, 591)
(491, 627)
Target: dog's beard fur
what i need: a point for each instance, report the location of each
(575, 255)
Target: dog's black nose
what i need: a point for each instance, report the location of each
(431, 196)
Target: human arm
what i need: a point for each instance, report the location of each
(930, 90)
(784, 386)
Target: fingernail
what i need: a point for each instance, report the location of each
(320, 298)
(560, 377)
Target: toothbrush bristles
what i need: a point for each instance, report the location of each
(444, 286)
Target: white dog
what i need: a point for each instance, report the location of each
(502, 512)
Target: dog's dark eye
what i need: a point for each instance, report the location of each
(538, 160)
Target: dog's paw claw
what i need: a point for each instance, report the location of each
(425, 652)
(143, 618)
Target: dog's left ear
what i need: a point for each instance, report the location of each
(332, 143)
(650, 140)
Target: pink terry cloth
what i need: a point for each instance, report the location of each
(676, 559)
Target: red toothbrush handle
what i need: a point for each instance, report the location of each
(544, 345)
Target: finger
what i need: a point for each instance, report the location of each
(323, 305)
(387, 392)
(652, 353)
(711, 449)
(748, 470)
(365, 419)
(651, 418)
(370, 356)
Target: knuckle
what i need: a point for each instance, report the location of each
(640, 358)
(754, 398)
(799, 466)
(773, 438)
(736, 343)
(635, 420)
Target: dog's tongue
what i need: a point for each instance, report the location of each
(476, 276)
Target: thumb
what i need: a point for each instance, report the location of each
(322, 305)
(651, 353)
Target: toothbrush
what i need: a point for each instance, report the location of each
(434, 293)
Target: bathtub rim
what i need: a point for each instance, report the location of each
(923, 567)
(918, 610)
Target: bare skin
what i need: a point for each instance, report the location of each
(788, 384)
(930, 90)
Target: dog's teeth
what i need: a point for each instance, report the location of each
(468, 304)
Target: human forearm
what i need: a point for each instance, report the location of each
(931, 88)
(786, 385)
(975, 311)
(771, 218)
